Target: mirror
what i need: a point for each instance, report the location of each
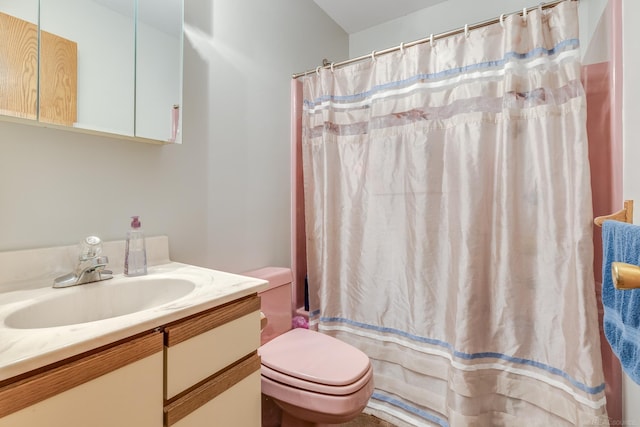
(93, 44)
(159, 69)
(112, 66)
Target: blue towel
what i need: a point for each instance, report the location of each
(621, 243)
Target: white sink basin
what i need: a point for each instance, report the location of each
(99, 301)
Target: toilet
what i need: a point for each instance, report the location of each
(315, 379)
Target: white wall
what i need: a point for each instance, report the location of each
(222, 196)
(442, 17)
(454, 14)
(631, 151)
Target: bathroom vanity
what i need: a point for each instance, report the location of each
(184, 355)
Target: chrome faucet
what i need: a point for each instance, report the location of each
(90, 268)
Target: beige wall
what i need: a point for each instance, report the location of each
(223, 196)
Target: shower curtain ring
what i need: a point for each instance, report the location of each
(373, 55)
(524, 14)
(402, 48)
(431, 39)
(332, 66)
(466, 30)
(318, 70)
(502, 20)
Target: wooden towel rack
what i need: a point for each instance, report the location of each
(623, 215)
(625, 276)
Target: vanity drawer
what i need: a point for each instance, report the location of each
(229, 398)
(201, 346)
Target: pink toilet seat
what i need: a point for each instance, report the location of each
(316, 387)
(316, 362)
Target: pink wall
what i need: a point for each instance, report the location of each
(596, 80)
(603, 87)
(298, 237)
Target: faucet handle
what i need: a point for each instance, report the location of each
(90, 247)
(90, 268)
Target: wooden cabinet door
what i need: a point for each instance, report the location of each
(117, 386)
(58, 80)
(18, 67)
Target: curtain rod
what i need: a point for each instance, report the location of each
(430, 39)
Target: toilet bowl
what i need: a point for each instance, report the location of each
(315, 379)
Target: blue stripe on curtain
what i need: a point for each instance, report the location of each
(566, 44)
(411, 409)
(469, 356)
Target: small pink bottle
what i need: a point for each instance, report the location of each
(175, 121)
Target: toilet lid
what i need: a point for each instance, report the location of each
(314, 357)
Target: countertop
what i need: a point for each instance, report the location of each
(23, 350)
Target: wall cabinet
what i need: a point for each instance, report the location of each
(97, 66)
(203, 370)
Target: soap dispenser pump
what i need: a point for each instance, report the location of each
(135, 256)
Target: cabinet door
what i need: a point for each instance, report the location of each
(58, 80)
(104, 69)
(119, 386)
(18, 67)
(19, 73)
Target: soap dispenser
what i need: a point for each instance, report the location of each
(135, 256)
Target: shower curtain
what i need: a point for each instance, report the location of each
(448, 222)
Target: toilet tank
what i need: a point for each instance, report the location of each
(275, 301)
